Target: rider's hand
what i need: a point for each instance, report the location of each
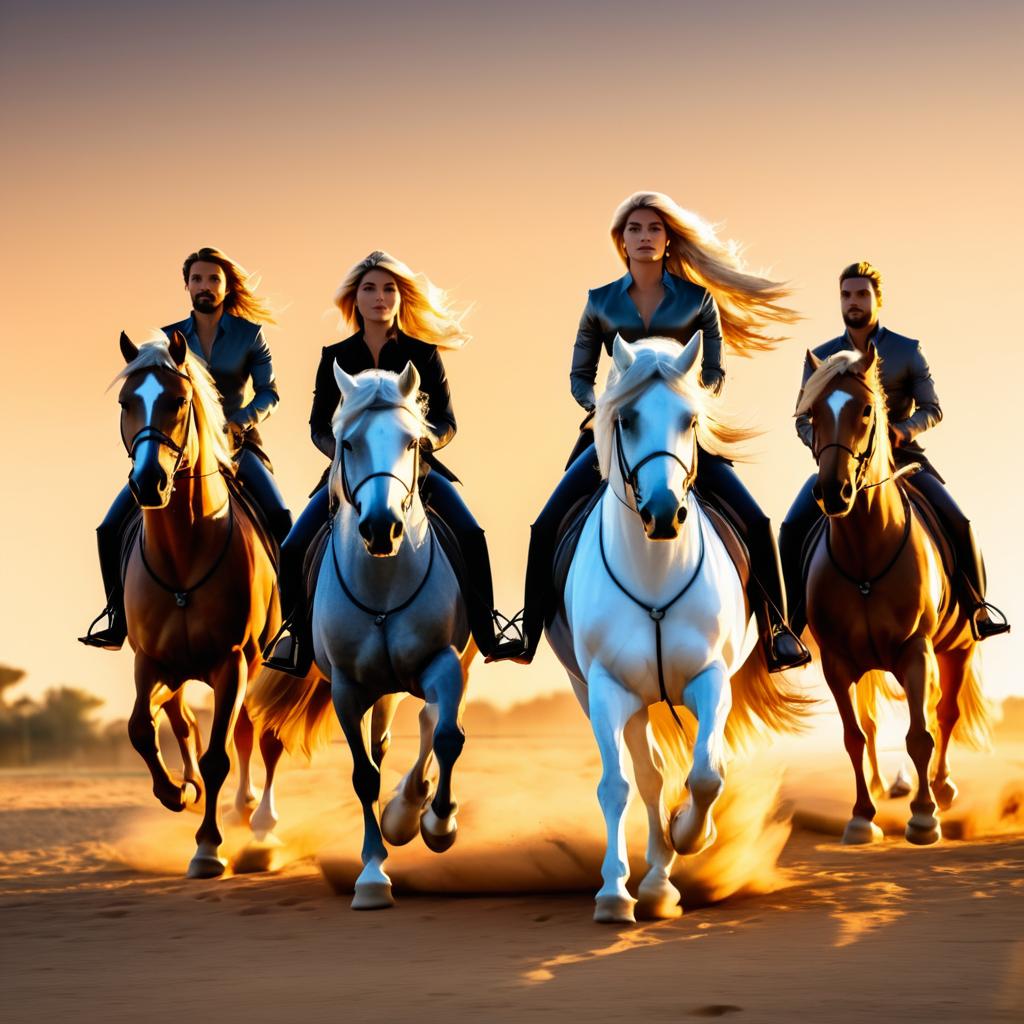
(236, 434)
(898, 436)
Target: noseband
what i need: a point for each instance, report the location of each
(863, 460)
(351, 492)
(630, 476)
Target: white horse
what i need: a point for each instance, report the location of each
(655, 610)
(388, 619)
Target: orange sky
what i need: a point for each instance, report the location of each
(489, 150)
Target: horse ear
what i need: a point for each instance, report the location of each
(690, 355)
(408, 381)
(346, 383)
(811, 362)
(623, 354)
(129, 349)
(178, 347)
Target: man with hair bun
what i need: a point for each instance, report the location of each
(225, 330)
(913, 407)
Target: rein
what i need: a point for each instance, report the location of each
(656, 614)
(380, 616)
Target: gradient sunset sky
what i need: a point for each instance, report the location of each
(488, 148)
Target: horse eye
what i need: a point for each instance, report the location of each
(181, 403)
(867, 411)
(626, 422)
(346, 445)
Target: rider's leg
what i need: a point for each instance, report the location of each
(293, 647)
(260, 483)
(969, 562)
(441, 495)
(108, 540)
(793, 533)
(717, 478)
(581, 479)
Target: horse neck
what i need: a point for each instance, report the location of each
(379, 578)
(652, 570)
(196, 514)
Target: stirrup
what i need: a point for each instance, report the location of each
(105, 639)
(983, 630)
(288, 661)
(509, 641)
(777, 664)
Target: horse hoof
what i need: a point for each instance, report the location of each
(373, 896)
(860, 832)
(945, 793)
(660, 904)
(614, 910)
(260, 855)
(901, 785)
(439, 834)
(191, 793)
(686, 840)
(399, 821)
(923, 830)
(206, 866)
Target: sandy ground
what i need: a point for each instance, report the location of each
(98, 923)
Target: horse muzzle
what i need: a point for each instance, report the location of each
(382, 534)
(834, 498)
(150, 485)
(662, 516)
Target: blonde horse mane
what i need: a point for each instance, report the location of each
(655, 360)
(209, 412)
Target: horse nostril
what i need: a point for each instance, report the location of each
(645, 516)
(364, 530)
(161, 479)
(681, 514)
(397, 530)
(847, 491)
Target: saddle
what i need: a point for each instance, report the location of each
(571, 529)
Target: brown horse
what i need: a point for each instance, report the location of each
(878, 596)
(200, 588)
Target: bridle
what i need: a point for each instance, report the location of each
(350, 493)
(151, 433)
(863, 459)
(630, 476)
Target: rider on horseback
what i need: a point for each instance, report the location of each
(681, 279)
(224, 330)
(401, 318)
(913, 407)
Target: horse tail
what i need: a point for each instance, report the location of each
(298, 711)
(761, 700)
(676, 747)
(874, 690)
(974, 727)
(469, 652)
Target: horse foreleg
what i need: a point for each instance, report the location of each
(186, 731)
(860, 828)
(611, 707)
(380, 725)
(709, 697)
(952, 673)
(443, 684)
(245, 798)
(878, 787)
(143, 735)
(351, 703)
(228, 681)
(917, 671)
(264, 818)
(657, 896)
(400, 821)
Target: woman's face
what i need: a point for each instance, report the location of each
(377, 297)
(644, 236)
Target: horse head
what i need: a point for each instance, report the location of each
(156, 402)
(378, 431)
(848, 423)
(654, 428)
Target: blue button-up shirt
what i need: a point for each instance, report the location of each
(239, 354)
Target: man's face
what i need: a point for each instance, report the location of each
(858, 302)
(207, 287)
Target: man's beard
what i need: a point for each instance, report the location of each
(202, 304)
(857, 320)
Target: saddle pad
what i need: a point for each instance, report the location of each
(255, 516)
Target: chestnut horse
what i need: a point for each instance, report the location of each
(878, 596)
(200, 587)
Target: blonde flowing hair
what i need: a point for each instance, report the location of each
(241, 299)
(696, 253)
(425, 311)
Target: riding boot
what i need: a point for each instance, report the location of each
(292, 646)
(113, 637)
(791, 544)
(973, 583)
(782, 647)
(537, 596)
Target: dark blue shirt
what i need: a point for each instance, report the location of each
(239, 354)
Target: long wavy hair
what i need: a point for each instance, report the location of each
(241, 299)
(425, 311)
(745, 301)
